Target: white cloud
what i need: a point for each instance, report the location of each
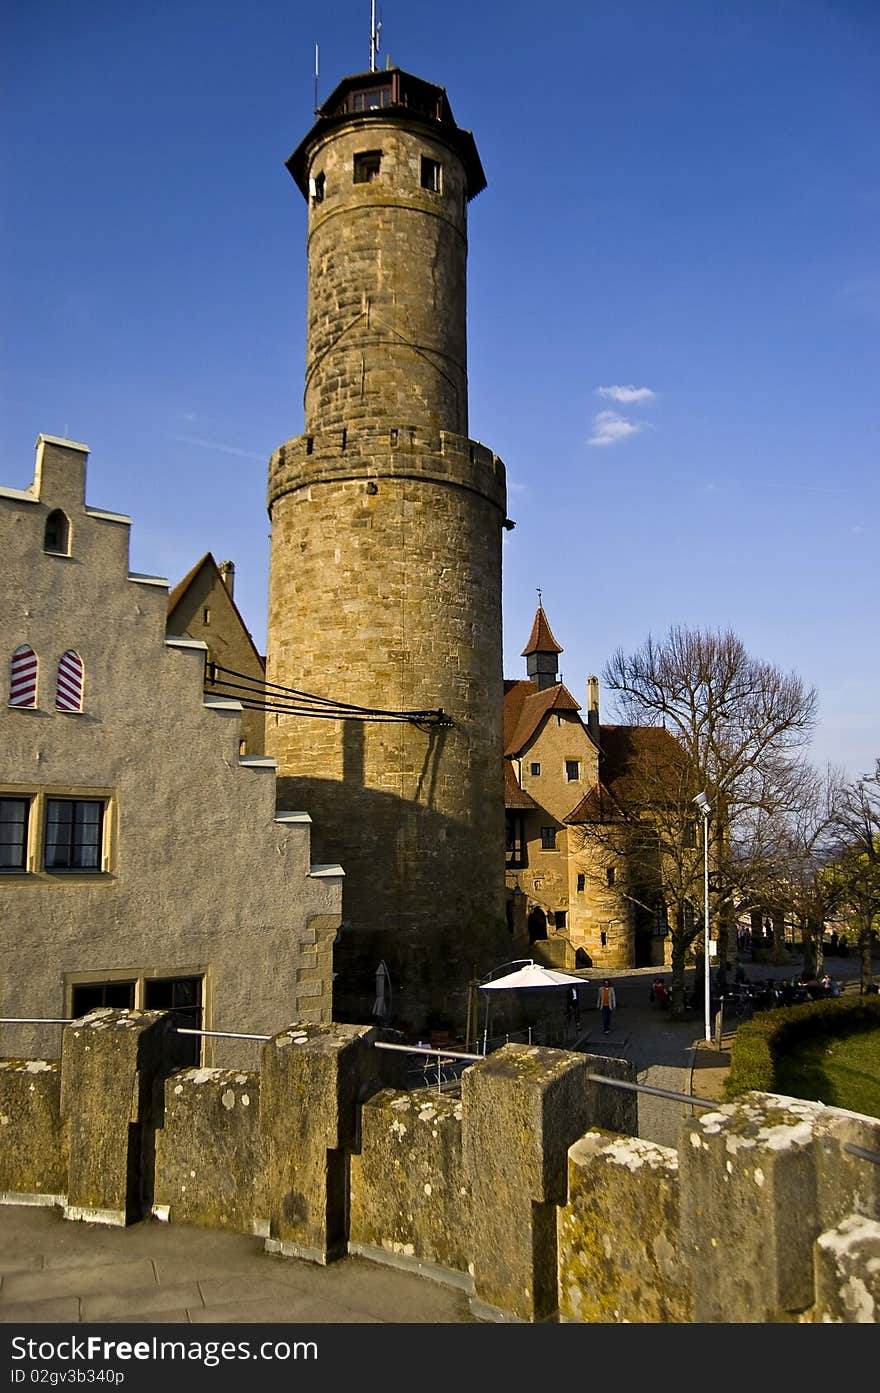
(213, 445)
(627, 396)
(609, 428)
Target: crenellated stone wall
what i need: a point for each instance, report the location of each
(529, 1190)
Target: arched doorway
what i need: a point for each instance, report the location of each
(537, 924)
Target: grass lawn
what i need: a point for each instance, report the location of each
(842, 1071)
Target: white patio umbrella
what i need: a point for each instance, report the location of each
(530, 975)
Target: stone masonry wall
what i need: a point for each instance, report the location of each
(529, 1191)
(385, 583)
(391, 598)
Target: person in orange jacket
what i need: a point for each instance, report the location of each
(607, 1003)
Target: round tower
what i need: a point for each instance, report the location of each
(385, 584)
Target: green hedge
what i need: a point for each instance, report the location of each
(758, 1042)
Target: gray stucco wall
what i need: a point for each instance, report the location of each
(198, 878)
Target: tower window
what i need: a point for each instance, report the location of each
(609, 876)
(206, 615)
(548, 838)
(57, 535)
(572, 770)
(366, 166)
(603, 939)
(370, 99)
(582, 883)
(535, 769)
(430, 174)
(316, 188)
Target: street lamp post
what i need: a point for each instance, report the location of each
(705, 808)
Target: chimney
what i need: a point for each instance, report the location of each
(227, 575)
(593, 707)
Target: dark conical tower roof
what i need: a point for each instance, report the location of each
(540, 653)
(541, 638)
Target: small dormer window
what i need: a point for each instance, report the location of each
(56, 538)
(366, 166)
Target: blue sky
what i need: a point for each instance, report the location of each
(683, 200)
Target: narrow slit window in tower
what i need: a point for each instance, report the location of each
(316, 188)
(431, 174)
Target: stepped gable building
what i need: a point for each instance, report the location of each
(570, 893)
(202, 607)
(385, 583)
(141, 856)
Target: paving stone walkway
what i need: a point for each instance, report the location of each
(54, 1270)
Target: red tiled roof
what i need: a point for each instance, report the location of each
(514, 796)
(541, 638)
(596, 806)
(525, 707)
(632, 756)
(634, 762)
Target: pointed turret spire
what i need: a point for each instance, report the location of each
(541, 650)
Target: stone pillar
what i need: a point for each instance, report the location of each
(619, 1245)
(523, 1108)
(848, 1273)
(313, 1080)
(846, 1183)
(750, 1213)
(113, 1066)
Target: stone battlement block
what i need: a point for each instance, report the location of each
(619, 1245)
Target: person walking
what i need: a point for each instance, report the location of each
(573, 1007)
(607, 1003)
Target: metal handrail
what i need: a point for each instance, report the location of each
(37, 1020)
(862, 1152)
(424, 1049)
(220, 1034)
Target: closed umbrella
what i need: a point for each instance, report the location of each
(382, 1002)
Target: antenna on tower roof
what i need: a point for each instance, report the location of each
(316, 77)
(375, 35)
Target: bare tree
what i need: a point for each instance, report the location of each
(738, 725)
(793, 870)
(855, 870)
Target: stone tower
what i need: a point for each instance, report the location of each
(385, 584)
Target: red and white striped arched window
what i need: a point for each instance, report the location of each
(69, 696)
(23, 681)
